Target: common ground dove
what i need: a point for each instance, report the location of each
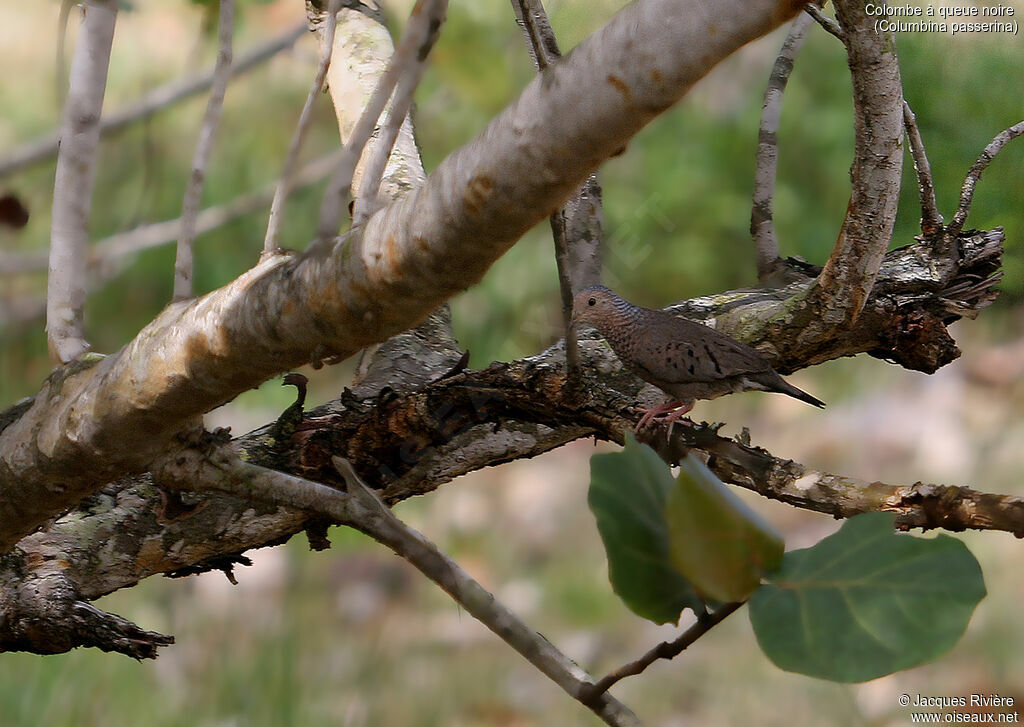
(684, 359)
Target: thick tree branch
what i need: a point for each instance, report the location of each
(44, 147)
(762, 225)
(414, 426)
(89, 426)
(72, 189)
(845, 283)
(183, 262)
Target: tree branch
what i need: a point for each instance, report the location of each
(72, 189)
(285, 181)
(339, 188)
(931, 220)
(423, 29)
(416, 426)
(42, 148)
(204, 148)
(107, 257)
(829, 24)
(210, 465)
(91, 426)
(987, 155)
(846, 281)
(664, 650)
(577, 228)
(762, 226)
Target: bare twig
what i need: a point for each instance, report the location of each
(110, 254)
(931, 220)
(72, 189)
(664, 650)
(285, 182)
(42, 148)
(987, 155)
(762, 227)
(423, 29)
(829, 24)
(204, 148)
(576, 228)
(220, 470)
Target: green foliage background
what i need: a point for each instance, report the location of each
(677, 208)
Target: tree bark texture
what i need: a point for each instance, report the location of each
(91, 425)
(418, 421)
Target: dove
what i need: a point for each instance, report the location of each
(686, 360)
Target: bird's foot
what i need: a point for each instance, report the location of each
(668, 413)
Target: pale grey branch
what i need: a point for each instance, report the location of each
(286, 181)
(205, 467)
(72, 189)
(423, 29)
(183, 262)
(762, 226)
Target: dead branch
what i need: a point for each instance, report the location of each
(206, 464)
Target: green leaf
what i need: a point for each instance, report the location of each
(628, 490)
(866, 602)
(716, 541)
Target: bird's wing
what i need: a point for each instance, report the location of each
(677, 351)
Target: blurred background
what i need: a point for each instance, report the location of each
(335, 637)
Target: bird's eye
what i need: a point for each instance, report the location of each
(591, 301)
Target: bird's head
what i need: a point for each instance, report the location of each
(593, 304)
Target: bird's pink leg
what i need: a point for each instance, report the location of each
(674, 409)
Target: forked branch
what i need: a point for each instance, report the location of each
(970, 182)
(204, 467)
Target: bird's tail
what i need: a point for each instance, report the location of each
(785, 387)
